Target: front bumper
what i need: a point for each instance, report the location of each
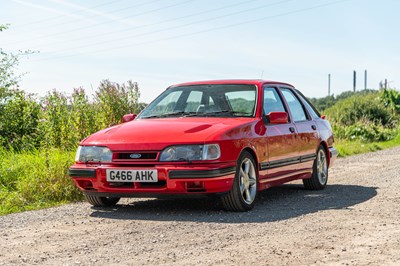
(333, 154)
(179, 180)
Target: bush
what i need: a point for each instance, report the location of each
(364, 131)
(363, 117)
(360, 108)
(19, 118)
(114, 101)
(391, 100)
(325, 102)
(61, 121)
(54, 120)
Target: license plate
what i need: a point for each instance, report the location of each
(118, 175)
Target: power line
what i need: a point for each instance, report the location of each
(104, 22)
(201, 31)
(183, 25)
(154, 24)
(58, 17)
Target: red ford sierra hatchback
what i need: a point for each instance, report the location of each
(230, 138)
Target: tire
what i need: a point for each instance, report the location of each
(319, 176)
(101, 201)
(243, 193)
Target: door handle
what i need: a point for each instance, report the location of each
(291, 129)
(314, 127)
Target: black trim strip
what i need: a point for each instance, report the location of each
(309, 157)
(285, 162)
(180, 174)
(264, 165)
(82, 172)
(159, 195)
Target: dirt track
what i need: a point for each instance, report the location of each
(355, 221)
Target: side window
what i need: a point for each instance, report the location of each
(311, 110)
(272, 101)
(295, 106)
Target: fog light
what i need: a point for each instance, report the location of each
(195, 186)
(85, 184)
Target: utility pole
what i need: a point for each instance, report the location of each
(365, 80)
(329, 84)
(386, 84)
(354, 80)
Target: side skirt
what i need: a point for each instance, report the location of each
(289, 161)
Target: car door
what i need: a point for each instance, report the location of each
(306, 128)
(281, 140)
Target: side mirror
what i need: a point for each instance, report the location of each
(128, 117)
(277, 118)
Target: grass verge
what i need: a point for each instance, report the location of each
(347, 148)
(34, 180)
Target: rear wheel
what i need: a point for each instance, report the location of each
(319, 176)
(244, 189)
(101, 201)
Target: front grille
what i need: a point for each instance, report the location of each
(136, 156)
(159, 184)
(121, 184)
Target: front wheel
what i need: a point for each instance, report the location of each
(319, 176)
(101, 201)
(244, 189)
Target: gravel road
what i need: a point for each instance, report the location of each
(354, 221)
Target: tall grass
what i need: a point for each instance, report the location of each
(352, 147)
(35, 179)
(39, 136)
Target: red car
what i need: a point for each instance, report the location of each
(230, 138)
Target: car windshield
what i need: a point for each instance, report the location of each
(204, 101)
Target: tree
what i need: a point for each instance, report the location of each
(115, 100)
(18, 110)
(8, 62)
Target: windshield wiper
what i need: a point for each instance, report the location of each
(189, 114)
(233, 113)
(180, 113)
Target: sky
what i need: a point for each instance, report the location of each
(157, 43)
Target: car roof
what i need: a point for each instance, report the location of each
(232, 81)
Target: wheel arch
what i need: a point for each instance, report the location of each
(235, 200)
(253, 154)
(325, 145)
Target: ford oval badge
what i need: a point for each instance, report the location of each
(135, 155)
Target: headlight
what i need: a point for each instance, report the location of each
(93, 154)
(191, 153)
